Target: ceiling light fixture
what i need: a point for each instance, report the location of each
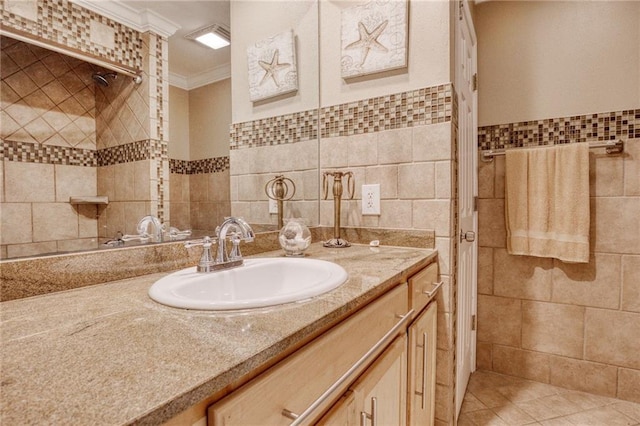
(214, 36)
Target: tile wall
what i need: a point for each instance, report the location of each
(406, 142)
(72, 137)
(570, 325)
(200, 196)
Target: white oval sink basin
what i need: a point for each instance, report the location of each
(258, 283)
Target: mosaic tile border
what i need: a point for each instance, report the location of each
(27, 152)
(196, 167)
(602, 126)
(67, 24)
(419, 107)
(288, 128)
(429, 105)
(134, 151)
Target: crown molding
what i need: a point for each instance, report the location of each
(143, 20)
(209, 76)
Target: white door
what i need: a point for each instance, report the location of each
(468, 188)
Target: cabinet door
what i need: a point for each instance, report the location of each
(422, 367)
(378, 396)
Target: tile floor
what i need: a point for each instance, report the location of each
(496, 399)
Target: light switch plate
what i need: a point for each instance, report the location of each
(371, 199)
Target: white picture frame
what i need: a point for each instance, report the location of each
(374, 37)
(272, 67)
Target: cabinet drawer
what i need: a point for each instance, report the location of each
(298, 380)
(423, 287)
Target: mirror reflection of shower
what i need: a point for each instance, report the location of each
(104, 78)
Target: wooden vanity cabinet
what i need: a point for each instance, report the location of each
(422, 368)
(300, 379)
(378, 396)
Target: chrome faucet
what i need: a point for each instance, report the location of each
(156, 228)
(241, 232)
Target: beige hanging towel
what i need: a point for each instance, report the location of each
(547, 202)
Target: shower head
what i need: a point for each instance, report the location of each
(101, 79)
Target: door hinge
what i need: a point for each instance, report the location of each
(475, 203)
(474, 81)
(474, 323)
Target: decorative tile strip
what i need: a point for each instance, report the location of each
(429, 105)
(48, 154)
(195, 167)
(601, 126)
(134, 151)
(67, 24)
(289, 128)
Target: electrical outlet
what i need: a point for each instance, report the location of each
(273, 206)
(371, 199)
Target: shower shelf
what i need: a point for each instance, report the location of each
(90, 199)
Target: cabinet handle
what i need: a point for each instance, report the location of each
(364, 416)
(432, 292)
(366, 358)
(424, 368)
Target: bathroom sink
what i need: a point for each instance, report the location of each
(258, 283)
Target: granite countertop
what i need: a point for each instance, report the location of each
(108, 355)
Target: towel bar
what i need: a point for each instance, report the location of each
(612, 147)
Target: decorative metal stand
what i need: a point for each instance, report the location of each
(336, 241)
(277, 189)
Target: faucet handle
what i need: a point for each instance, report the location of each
(205, 242)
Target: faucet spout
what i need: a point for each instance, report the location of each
(243, 232)
(151, 226)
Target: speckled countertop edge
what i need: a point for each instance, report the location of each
(155, 361)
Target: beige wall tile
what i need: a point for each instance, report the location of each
(485, 270)
(444, 338)
(594, 284)
(553, 328)
(416, 181)
(444, 403)
(31, 249)
(29, 182)
(112, 220)
(432, 142)
(498, 186)
(133, 212)
(179, 189)
(88, 220)
(394, 146)
(444, 367)
(521, 276)
(106, 182)
(310, 185)
(613, 337)
(15, 223)
(632, 167)
(124, 179)
(74, 181)
(334, 152)
(243, 161)
(77, 245)
(219, 186)
(499, 320)
(606, 178)
(142, 180)
(180, 215)
(363, 149)
(443, 179)
(433, 214)
(445, 247)
(198, 187)
(631, 283)
(445, 296)
(2, 175)
(54, 221)
(484, 356)
(491, 224)
(395, 213)
(517, 362)
(386, 176)
(615, 226)
(486, 179)
(583, 375)
(628, 385)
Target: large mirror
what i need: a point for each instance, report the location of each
(56, 106)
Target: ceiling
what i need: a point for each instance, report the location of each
(190, 64)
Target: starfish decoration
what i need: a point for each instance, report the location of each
(368, 40)
(271, 68)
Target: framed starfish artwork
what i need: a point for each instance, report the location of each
(374, 37)
(272, 67)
